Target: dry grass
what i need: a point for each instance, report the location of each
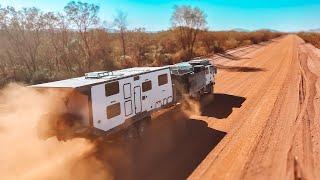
(312, 38)
(44, 48)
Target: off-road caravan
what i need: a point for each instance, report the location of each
(110, 101)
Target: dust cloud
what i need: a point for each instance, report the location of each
(190, 106)
(24, 156)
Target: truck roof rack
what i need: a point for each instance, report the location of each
(200, 61)
(181, 68)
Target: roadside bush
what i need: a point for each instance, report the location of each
(246, 42)
(42, 76)
(37, 46)
(163, 59)
(218, 48)
(231, 43)
(3, 81)
(312, 38)
(201, 51)
(220, 41)
(179, 56)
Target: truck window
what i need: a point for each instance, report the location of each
(112, 88)
(198, 68)
(113, 110)
(146, 86)
(207, 70)
(162, 79)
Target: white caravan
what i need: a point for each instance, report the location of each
(111, 100)
(106, 102)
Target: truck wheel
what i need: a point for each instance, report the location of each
(209, 89)
(202, 91)
(211, 94)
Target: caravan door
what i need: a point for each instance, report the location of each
(127, 99)
(137, 99)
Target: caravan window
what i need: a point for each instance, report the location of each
(112, 88)
(146, 86)
(113, 110)
(162, 79)
(136, 78)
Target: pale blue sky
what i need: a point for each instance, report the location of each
(154, 15)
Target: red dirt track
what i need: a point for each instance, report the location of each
(263, 123)
(275, 132)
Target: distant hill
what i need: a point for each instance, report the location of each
(246, 30)
(240, 30)
(315, 30)
(271, 30)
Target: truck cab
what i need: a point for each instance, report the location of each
(195, 77)
(210, 71)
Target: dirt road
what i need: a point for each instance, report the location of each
(264, 122)
(269, 103)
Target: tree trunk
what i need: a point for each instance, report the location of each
(123, 44)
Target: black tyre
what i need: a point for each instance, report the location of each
(210, 89)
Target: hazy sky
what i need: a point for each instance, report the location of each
(154, 15)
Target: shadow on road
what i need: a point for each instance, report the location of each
(221, 105)
(266, 42)
(230, 56)
(240, 68)
(172, 148)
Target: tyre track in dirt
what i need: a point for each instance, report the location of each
(275, 140)
(306, 142)
(245, 89)
(274, 134)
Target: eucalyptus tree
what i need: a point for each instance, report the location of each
(188, 21)
(83, 16)
(120, 21)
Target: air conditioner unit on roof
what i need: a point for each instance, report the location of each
(98, 74)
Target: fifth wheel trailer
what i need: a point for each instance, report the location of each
(107, 102)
